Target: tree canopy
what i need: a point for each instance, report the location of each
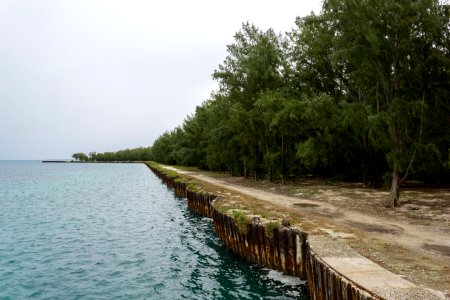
(360, 91)
(136, 154)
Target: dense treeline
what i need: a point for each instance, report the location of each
(136, 154)
(360, 91)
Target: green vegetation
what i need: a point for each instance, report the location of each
(242, 220)
(194, 188)
(270, 227)
(263, 213)
(360, 91)
(171, 174)
(80, 157)
(136, 154)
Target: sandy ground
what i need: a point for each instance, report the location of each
(413, 240)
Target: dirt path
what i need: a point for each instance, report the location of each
(418, 250)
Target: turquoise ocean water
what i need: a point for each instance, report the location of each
(114, 231)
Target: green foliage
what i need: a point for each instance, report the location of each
(242, 220)
(171, 174)
(357, 92)
(179, 179)
(263, 213)
(270, 227)
(80, 156)
(194, 188)
(137, 154)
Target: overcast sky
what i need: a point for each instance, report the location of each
(104, 75)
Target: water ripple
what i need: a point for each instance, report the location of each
(113, 231)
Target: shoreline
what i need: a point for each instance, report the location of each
(90, 162)
(341, 270)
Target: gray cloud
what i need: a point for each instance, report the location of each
(105, 75)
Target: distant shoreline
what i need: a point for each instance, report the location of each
(90, 162)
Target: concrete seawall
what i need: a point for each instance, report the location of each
(332, 269)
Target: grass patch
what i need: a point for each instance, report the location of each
(242, 220)
(180, 180)
(264, 214)
(191, 169)
(154, 165)
(192, 187)
(270, 227)
(170, 173)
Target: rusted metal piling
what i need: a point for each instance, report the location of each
(322, 262)
(277, 250)
(281, 249)
(200, 203)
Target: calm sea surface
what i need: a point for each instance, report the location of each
(114, 231)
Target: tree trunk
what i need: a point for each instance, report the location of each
(394, 195)
(245, 169)
(365, 175)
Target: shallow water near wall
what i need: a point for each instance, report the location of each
(108, 231)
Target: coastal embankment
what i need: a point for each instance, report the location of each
(332, 269)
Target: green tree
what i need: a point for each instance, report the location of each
(359, 91)
(383, 48)
(162, 148)
(254, 65)
(79, 156)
